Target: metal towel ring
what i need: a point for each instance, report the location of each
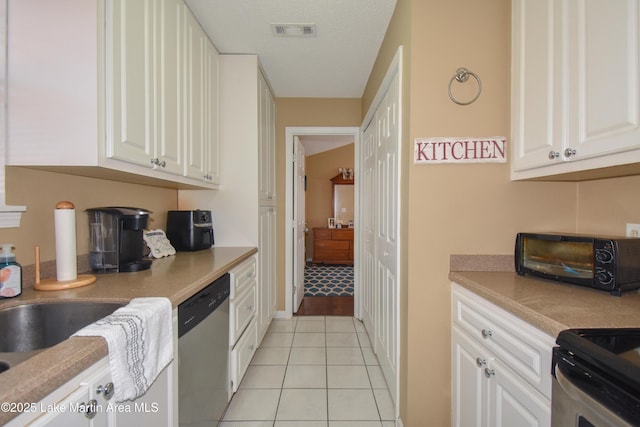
(462, 75)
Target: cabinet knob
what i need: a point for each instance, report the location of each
(489, 372)
(249, 307)
(251, 347)
(107, 390)
(480, 362)
(553, 154)
(486, 333)
(569, 152)
(91, 408)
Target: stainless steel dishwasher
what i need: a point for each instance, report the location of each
(203, 355)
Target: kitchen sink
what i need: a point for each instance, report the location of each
(36, 326)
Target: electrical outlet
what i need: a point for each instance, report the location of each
(633, 230)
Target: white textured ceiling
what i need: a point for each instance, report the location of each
(336, 63)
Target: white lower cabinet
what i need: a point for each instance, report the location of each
(243, 338)
(501, 366)
(241, 355)
(267, 291)
(87, 401)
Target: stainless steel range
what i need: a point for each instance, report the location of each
(596, 378)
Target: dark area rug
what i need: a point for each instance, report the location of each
(328, 280)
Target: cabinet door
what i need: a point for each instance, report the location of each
(130, 88)
(242, 354)
(266, 269)
(169, 50)
(84, 406)
(266, 141)
(536, 81)
(195, 97)
(513, 402)
(152, 408)
(211, 141)
(604, 82)
(469, 389)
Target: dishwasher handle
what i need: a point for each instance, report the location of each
(199, 306)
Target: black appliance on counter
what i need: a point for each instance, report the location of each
(190, 230)
(116, 239)
(607, 263)
(596, 378)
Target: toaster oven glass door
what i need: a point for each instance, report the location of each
(559, 258)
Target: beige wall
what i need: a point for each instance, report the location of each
(40, 191)
(605, 206)
(304, 112)
(469, 209)
(320, 168)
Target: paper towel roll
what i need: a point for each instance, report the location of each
(65, 224)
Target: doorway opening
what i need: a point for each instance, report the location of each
(325, 147)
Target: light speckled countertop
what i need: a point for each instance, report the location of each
(552, 306)
(176, 277)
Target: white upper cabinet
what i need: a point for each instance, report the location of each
(129, 81)
(201, 104)
(128, 86)
(266, 142)
(575, 86)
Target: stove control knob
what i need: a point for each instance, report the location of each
(604, 277)
(603, 256)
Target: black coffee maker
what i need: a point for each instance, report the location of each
(116, 239)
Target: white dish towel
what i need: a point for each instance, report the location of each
(140, 340)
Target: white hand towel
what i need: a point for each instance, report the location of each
(140, 340)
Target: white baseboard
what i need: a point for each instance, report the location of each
(280, 314)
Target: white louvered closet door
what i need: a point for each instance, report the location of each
(380, 253)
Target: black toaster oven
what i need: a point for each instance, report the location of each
(608, 263)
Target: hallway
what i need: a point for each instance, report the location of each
(313, 371)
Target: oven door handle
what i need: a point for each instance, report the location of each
(582, 399)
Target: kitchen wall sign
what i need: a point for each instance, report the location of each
(486, 149)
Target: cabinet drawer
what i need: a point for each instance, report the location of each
(321, 234)
(342, 234)
(332, 245)
(524, 348)
(243, 277)
(242, 310)
(242, 354)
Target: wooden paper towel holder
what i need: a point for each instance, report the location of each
(54, 284)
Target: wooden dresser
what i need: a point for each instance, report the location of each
(333, 246)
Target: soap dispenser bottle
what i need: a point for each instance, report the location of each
(10, 273)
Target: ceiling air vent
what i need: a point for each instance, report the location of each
(294, 30)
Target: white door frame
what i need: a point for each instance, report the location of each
(290, 132)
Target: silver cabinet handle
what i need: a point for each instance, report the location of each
(251, 347)
(249, 307)
(486, 333)
(107, 391)
(569, 152)
(553, 154)
(480, 362)
(156, 161)
(489, 372)
(91, 409)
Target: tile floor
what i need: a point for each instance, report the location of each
(313, 371)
